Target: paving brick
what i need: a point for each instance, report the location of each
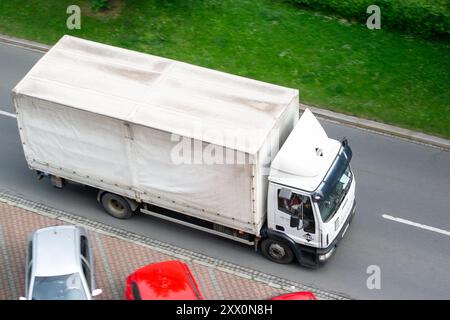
(117, 253)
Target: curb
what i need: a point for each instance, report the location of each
(375, 126)
(36, 46)
(379, 127)
(168, 249)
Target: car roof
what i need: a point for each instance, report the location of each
(169, 280)
(56, 251)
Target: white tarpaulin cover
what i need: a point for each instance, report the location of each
(105, 116)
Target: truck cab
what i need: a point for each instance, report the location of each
(311, 196)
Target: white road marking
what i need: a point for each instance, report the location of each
(4, 113)
(415, 224)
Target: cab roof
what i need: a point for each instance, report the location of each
(306, 156)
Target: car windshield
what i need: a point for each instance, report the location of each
(329, 205)
(66, 287)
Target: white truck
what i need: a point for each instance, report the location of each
(218, 152)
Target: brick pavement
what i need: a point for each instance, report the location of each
(115, 257)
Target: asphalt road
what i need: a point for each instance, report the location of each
(394, 177)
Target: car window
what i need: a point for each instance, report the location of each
(193, 286)
(29, 274)
(135, 291)
(30, 251)
(87, 273)
(29, 263)
(66, 287)
(84, 247)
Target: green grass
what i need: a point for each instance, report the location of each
(427, 18)
(335, 64)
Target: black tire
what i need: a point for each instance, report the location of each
(116, 206)
(277, 251)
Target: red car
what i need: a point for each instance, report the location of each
(296, 296)
(168, 280)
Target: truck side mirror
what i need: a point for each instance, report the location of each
(295, 221)
(297, 218)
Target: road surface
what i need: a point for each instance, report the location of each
(396, 179)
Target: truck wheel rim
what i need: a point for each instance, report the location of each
(116, 206)
(276, 251)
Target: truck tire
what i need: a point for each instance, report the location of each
(116, 206)
(277, 251)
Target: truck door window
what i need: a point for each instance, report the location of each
(285, 200)
(289, 202)
(308, 217)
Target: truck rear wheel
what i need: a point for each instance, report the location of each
(116, 206)
(277, 251)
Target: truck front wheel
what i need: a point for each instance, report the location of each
(116, 206)
(277, 251)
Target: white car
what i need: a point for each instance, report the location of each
(59, 265)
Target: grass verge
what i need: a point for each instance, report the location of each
(336, 64)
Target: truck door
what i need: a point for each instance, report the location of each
(289, 204)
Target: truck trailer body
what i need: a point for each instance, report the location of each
(153, 132)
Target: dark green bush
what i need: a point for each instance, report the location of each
(100, 4)
(429, 18)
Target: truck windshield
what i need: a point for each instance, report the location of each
(329, 205)
(66, 287)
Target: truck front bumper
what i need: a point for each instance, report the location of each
(326, 253)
